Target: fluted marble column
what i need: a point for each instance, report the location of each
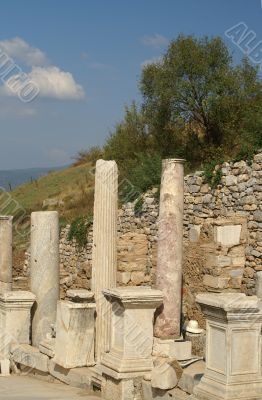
(44, 270)
(104, 249)
(169, 255)
(6, 260)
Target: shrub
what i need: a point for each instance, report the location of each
(213, 173)
(90, 155)
(140, 175)
(79, 230)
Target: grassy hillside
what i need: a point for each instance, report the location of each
(10, 179)
(69, 191)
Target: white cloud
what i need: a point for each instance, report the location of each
(51, 82)
(154, 60)
(20, 50)
(155, 40)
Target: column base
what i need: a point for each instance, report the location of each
(119, 368)
(212, 390)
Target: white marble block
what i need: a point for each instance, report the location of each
(15, 320)
(228, 235)
(233, 360)
(132, 331)
(75, 330)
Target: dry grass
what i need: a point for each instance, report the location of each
(72, 190)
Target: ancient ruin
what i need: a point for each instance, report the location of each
(144, 335)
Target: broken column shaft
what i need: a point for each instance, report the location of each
(170, 248)
(104, 249)
(44, 270)
(6, 262)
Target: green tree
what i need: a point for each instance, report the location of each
(129, 138)
(198, 103)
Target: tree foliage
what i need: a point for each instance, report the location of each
(196, 104)
(197, 99)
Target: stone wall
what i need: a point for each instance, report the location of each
(137, 237)
(222, 237)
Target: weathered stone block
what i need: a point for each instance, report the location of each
(30, 356)
(77, 377)
(218, 261)
(75, 327)
(194, 233)
(15, 315)
(123, 277)
(228, 235)
(137, 277)
(216, 282)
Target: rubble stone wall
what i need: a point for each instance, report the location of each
(222, 237)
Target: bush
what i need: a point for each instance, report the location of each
(213, 175)
(79, 230)
(139, 206)
(139, 175)
(90, 155)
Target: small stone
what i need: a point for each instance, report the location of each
(194, 188)
(231, 180)
(258, 216)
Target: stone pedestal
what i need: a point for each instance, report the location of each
(44, 272)
(6, 262)
(15, 319)
(169, 254)
(75, 330)
(233, 359)
(132, 331)
(104, 248)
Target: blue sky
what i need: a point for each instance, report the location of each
(86, 57)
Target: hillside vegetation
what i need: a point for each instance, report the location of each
(69, 191)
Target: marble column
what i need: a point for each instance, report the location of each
(6, 262)
(104, 249)
(170, 248)
(44, 270)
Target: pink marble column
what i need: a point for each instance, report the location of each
(170, 249)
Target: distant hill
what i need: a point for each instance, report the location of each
(10, 179)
